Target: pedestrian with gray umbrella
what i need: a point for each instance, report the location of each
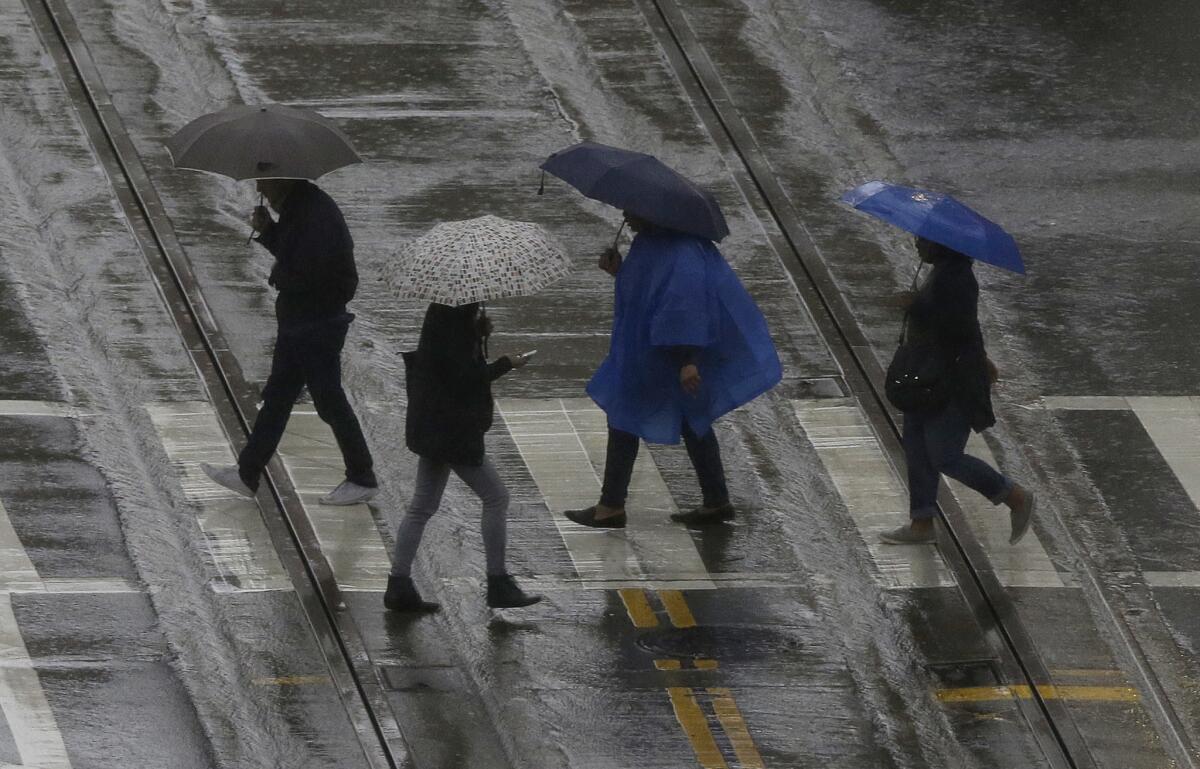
(314, 273)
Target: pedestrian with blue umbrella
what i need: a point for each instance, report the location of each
(941, 376)
(688, 343)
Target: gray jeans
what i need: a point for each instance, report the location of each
(431, 483)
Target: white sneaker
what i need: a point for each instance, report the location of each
(907, 535)
(228, 477)
(349, 493)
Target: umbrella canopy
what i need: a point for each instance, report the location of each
(267, 141)
(939, 218)
(476, 260)
(640, 184)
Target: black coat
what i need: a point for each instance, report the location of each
(946, 312)
(314, 257)
(449, 384)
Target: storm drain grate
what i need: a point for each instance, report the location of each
(434, 678)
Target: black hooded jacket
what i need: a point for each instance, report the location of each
(449, 385)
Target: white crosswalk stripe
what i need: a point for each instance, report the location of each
(239, 545)
(348, 536)
(562, 442)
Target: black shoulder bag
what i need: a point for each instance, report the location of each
(918, 380)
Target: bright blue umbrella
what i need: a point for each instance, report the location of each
(940, 218)
(640, 184)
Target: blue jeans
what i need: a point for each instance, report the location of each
(934, 445)
(705, 454)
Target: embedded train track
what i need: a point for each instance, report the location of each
(342, 646)
(1018, 658)
(355, 678)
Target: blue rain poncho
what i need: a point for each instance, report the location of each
(676, 291)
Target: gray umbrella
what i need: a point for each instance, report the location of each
(265, 141)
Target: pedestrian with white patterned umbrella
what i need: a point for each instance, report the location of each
(283, 148)
(457, 267)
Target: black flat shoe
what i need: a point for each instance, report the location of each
(402, 596)
(503, 593)
(587, 517)
(702, 516)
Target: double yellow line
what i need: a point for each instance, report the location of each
(687, 701)
(637, 603)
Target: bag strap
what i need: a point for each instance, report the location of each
(907, 312)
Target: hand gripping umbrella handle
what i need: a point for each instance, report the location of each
(250, 237)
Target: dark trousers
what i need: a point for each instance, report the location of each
(704, 452)
(308, 354)
(934, 445)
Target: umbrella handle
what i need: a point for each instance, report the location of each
(917, 275)
(904, 324)
(250, 237)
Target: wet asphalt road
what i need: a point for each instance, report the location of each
(1071, 125)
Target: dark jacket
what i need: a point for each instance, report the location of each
(449, 384)
(314, 268)
(945, 312)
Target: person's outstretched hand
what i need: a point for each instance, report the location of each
(518, 360)
(993, 372)
(610, 260)
(689, 378)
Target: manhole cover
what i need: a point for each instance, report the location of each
(714, 641)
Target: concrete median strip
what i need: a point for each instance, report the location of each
(239, 546)
(349, 539)
(873, 495)
(877, 501)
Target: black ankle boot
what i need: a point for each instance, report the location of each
(503, 593)
(402, 595)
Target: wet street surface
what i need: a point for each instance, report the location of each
(148, 618)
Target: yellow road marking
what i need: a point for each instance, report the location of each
(638, 607)
(698, 664)
(695, 725)
(1048, 692)
(735, 729)
(677, 608)
(292, 681)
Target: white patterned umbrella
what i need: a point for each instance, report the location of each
(476, 260)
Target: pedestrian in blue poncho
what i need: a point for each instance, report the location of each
(688, 345)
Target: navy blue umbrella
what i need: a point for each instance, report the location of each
(640, 184)
(940, 218)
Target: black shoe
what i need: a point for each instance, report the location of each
(705, 516)
(402, 595)
(503, 593)
(587, 517)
